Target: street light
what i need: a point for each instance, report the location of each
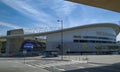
(61, 22)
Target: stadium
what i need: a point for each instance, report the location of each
(99, 38)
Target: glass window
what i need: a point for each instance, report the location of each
(76, 41)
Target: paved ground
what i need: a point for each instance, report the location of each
(108, 63)
(75, 66)
(91, 67)
(16, 66)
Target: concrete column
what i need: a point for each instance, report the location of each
(8, 45)
(0, 46)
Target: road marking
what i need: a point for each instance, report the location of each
(80, 61)
(54, 64)
(30, 65)
(94, 64)
(81, 67)
(59, 69)
(38, 65)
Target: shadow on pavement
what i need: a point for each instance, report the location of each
(109, 68)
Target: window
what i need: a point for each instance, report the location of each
(76, 41)
(92, 41)
(83, 41)
(77, 36)
(94, 37)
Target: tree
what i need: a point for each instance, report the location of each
(98, 48)
(85, 47)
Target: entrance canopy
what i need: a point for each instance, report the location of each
(113, 5)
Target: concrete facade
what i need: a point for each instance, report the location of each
(14, 44)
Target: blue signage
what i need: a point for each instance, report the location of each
(28, 46)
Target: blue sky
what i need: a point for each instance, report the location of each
(30, 14)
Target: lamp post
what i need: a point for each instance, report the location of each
(61, 22)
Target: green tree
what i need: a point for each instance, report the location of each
(85, 47)
(98, 48)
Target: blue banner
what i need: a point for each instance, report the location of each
(28, 46)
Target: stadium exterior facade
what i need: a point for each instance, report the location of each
(97, 38)
(93, 38)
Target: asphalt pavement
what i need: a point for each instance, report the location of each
(98, 68)
(37, 64)
(16, 66)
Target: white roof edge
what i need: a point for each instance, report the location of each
(112, 25)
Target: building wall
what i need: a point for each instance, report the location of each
(69, 37)
(2, 45)
(13, 44)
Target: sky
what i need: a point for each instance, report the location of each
(32, 15)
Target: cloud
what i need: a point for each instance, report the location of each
(63, 8)
(28, 10)
(37, 10)
(9, 25)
